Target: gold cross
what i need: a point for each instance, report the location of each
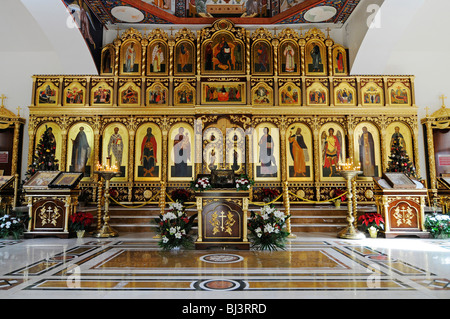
(171, 30)
(426, 109)
(328, 32)
(3, 97)
(18, 111)
(443, 97)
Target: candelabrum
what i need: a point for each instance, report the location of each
(349, 172)
(106, 172)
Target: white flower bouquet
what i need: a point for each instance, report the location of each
(268, 228)
(201, 184)
(12, 226)
(244, 183)
(174, 227)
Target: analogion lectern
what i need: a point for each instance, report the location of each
(222, 219)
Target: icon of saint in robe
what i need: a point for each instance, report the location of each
(331, 152)
(116, 146)
(367, 153)
(80, 151)
(181, 153)
(316, 65)
(148, 154)
(266, 154)
(289, 54)
(299, 153)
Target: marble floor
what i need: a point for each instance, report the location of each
(314, 265)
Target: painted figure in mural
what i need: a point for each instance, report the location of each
(262, 58)
(157, 58)
(116, 146)
(148, 153)
(208, 57)
(367, 153)
(289, 54)
(299, 152)
(400, 137)
(331, 152)
(266, 154)
(80, 151)
(184, 58)
(316, 59)
(223, 53)
(340, 62)
(102, 95)
(130, 57)
(181, 153)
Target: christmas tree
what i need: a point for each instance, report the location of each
(399, 159)
(44, 157)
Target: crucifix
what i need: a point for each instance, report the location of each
(328, 32)
(18, 110)
(171, 30)
(427, 109)
(443, 97)
(2, 97)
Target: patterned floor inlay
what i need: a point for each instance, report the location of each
(305, 265)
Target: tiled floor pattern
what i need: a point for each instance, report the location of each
(311, 267)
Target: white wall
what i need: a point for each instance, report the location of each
(36, 40)
(412, 40)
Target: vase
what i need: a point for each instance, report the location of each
(373, 232)
(80, 233)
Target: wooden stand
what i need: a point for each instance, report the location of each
(402, 209)
(49, 211)
(222, 219)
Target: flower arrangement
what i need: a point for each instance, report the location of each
(371, 220)
(180, 195)
(12, 226)
(438, 225)
(174, 227)
(244, 183)
(80, 221)
(268, 228)
(268, 194)
(201, 184)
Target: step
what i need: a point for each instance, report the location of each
(312, 218)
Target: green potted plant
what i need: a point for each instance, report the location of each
(12, 226)
(438, 225)
(372, 223)
(79, 222)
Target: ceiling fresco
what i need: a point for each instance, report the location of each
(184, 12)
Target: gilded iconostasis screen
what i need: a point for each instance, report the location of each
(276, 106)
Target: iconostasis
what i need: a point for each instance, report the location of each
(278, 107)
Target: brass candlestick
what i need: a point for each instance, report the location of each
(348, 171)
(106, 172)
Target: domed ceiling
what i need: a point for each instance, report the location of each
(247, 12)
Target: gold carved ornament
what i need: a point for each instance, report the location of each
(403, 215)
(224, 226)
(49, 215)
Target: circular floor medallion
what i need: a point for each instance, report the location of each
(220, 285)
(221, 258)
(320, 14)
(127, 14)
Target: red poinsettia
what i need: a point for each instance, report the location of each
(341, 193)
(269, 194)
(371, 219)
(80, 220)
